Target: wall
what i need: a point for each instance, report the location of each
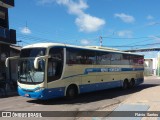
(4, 53)
(150, 66)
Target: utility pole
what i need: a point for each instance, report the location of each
(100, 40)
(158, 64)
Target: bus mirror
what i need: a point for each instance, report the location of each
(7, 62)
(36, 63)
(10, 58)
(37, 60)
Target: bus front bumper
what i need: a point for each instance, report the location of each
(42, 94)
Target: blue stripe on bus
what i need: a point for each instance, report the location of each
(105, 85)
(50, 93)
(99, 86)
(93, 70)
(132, 69)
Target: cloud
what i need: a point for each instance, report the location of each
(155, 37)
(125, 33)
(150, 17)
(84, 21)
(42, 2)
(89, 23)
(25, 30)
(85, 42)
(76, 8)
(153, 23)
(125, 18)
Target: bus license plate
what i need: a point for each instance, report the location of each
(26, 95)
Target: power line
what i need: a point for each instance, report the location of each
(125, 37)
(39, 39)
(130, 44)
(32, 39)
(137, 45)
(139, 42)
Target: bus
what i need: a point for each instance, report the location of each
(52, 70)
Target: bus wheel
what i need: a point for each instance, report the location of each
(125, 84)
(132, 83)
(72, 92)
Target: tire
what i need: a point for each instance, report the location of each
(72, 92)
(132, 83)
(125, 84)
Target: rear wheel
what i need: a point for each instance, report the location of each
(125, 84)
(132, 83)
(72, 92)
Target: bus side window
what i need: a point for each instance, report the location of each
(55, 64)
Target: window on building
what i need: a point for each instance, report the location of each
(2, 15)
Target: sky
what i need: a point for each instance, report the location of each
(121, 24)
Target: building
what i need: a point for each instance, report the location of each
(150, 66)
(14, 51)
(7, 37)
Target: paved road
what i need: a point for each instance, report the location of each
(102, 100)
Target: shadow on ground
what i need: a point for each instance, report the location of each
(94, 96)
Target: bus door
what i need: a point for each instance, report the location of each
(55, 66)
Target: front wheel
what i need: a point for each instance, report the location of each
(72, 92)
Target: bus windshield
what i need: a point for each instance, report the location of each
(33, 52)
(27, 73)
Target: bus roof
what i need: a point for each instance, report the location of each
(97, 48)
(44, 45)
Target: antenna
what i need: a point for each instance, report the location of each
(100, 40)
(26, 25)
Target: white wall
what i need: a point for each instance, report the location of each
(150, 66)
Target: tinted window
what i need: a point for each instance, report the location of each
(80, 56)
(125, 59)
(33, 52)
(103, 58)
(116, 59)
(137, 60)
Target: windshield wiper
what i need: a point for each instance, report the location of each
(29, 75)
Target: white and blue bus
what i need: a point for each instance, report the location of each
(51, 70)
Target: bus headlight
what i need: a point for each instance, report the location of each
(39, 89)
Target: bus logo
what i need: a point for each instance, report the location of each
(6, 114)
